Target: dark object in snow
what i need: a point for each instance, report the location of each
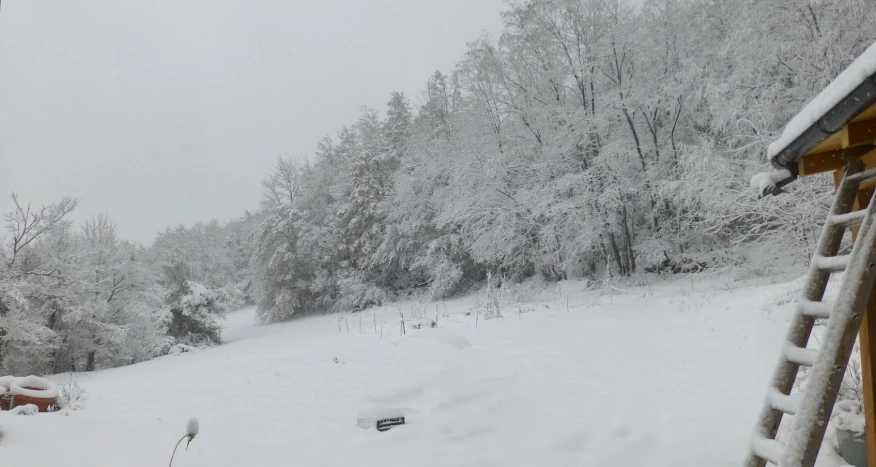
(852, 447)
(382, 418)
(427, 323)
(681, 265)
(387, 423)
(6, 401)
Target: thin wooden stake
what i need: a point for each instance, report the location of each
(402, 314)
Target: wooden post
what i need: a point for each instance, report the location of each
(867, 341)
(866, 335)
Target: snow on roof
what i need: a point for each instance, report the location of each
(862, 68)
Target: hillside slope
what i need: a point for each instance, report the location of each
(667, 374)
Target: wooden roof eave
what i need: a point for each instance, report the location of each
(846, 130)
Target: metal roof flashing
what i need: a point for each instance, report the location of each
(838, 116)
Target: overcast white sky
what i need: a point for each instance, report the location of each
(161, 112)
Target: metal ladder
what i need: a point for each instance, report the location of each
(812, 408)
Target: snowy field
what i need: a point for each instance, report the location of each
(670, 373)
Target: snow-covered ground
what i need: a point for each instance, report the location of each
(670, 373)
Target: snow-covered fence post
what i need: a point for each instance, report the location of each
(402, 320)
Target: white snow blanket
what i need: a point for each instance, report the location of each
(862, 68)
(670, 374)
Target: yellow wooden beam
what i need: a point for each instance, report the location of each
(831, 160)
(859, 133)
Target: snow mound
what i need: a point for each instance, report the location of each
(452, 338)
(27, 409)
(34, 386)
(862, 68)
(849, 421)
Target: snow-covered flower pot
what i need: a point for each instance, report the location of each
(5, 399)
(34, 390)
(850, 438)
(5, 394)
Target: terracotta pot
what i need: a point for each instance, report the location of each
(6, 401)
(42, 403)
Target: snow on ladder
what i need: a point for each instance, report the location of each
(812, 408)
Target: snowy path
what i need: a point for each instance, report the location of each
(662, 377)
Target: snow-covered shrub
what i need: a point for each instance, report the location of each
(355, 293)
(27, 409)
(26, 345)
(179, 349)
(232, 296)
(497, 296)
(677, 264)
(70, 394)
(852, 387)
(195, 311)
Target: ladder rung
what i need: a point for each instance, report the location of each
(768, 449)
(831, 263)
(848, 219)
(818, 310)
(800, 355)
(862, 176)
(785, 403)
